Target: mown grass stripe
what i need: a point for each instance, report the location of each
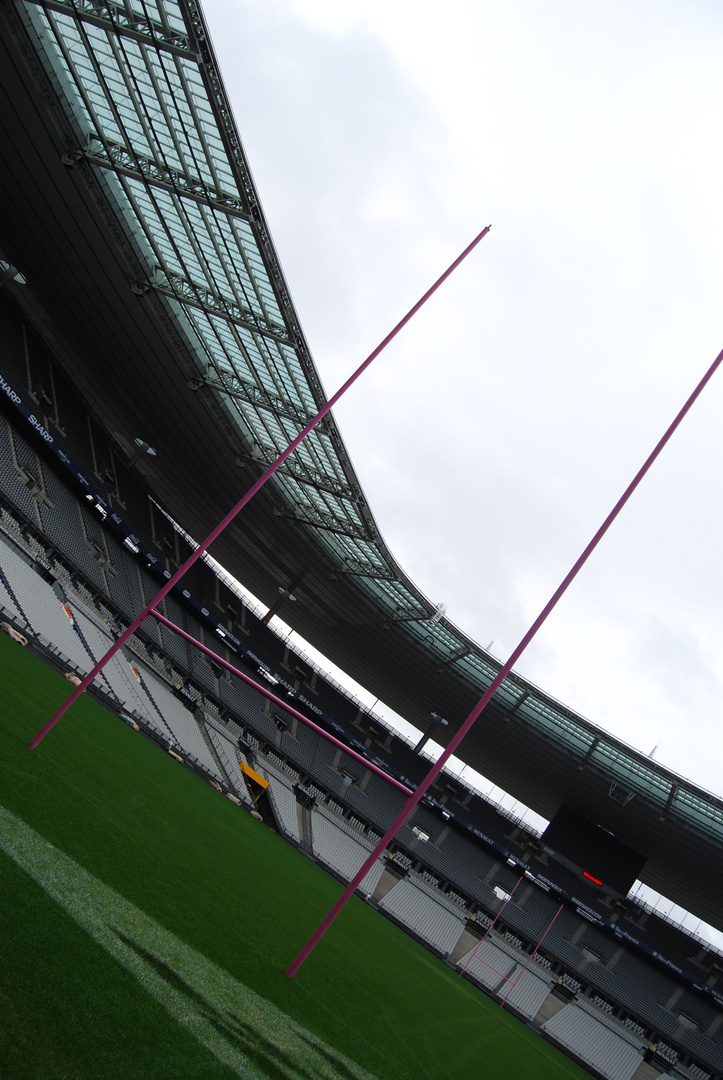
(239, 1027)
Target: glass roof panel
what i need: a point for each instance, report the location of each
(172, 169)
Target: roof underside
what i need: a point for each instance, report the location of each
(151, 271)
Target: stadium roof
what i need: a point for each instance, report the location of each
(151, 272)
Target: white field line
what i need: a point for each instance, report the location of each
(240, 1028)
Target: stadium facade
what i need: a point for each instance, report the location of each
(138, 260)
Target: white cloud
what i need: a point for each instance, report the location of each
(494, 436)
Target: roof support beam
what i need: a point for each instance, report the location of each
(127, 162)
(298, 471)
(115, 19)
(325, 485)
(520, 701)
(251, 394)
(332, 524)
(371, 572)
(589, 753)
(424, 617)
(459, 655)
(671, 799)
(188, 292)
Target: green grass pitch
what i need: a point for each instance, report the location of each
(146, 922)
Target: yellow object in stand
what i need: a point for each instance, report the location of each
(253, 775)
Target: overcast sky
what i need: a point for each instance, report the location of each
(495, 435)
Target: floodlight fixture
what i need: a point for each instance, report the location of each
(143, 449)
(9, 273)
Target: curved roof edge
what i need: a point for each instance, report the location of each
(155, 210)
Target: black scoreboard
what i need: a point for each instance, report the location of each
(601, 857)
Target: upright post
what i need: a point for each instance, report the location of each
(499, 678)
(281, 704)
(195, 555)
(531, 957)
(491, 926)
